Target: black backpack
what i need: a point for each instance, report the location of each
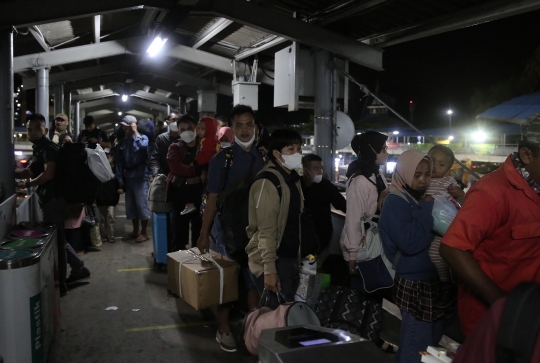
(234, 216)
(77, 182)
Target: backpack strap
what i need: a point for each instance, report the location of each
(519, 325)
(228, 163)
(272, 177)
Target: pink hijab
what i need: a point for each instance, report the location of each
(405, 169)
(227, 131)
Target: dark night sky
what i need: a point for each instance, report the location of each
(438, 72)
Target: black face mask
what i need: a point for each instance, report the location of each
(416, 194)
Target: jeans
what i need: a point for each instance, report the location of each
(289, 277)
(136, 199)
(415, 335)
(54, 212)
(106, 221)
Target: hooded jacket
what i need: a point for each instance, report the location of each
(209, 143)
(267, 221)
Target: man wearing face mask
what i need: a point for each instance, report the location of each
(158, 157)
(319, 195)
(274, 219)
(227, 169)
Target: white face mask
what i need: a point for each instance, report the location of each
(246, 144)
(292, 162)
(225, 144)
(187, 136)
(173, 127)
(317, 179)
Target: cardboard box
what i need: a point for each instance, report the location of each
(199, 280)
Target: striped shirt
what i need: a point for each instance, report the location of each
(440, 186)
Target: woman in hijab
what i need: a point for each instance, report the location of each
(405, 226)
(364, 187)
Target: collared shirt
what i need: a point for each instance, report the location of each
(219, 179)
(46, 151)
(499, 224)
(132, 158)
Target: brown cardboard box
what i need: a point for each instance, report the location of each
(200, 279)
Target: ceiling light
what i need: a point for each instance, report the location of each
(119, 113)
(156, 45)
(396, 132)
(124, 98)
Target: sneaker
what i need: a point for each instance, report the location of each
(447, 296)
(226, 342)
(189, 208)
(387, 347)
(83, 274)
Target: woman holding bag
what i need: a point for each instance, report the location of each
(364, 186)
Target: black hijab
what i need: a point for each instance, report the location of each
(366, 146)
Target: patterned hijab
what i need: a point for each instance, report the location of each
(405, 169)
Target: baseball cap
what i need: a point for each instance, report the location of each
(530, 129)
(62, 116)
(128, 120)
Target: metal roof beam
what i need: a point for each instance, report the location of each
(212, 31)
(351, 11)
(97, 103)
(265, 44)
(94, 95)
(472, 16)
(153, 97)
(79, 74)
(182, 90)
(200, 57)
(96, 23)
(150, 105)
(30, 12)
(72, 55)
(264, 19)
(94, 82)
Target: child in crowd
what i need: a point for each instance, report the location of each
(206, 131)
(441, 183)
(406, 225)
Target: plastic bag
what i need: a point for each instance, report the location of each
(444, 212)
(98, 164)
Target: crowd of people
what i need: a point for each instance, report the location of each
(492, 245)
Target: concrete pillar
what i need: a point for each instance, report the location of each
(7, 161)
(182, 104)
(42, 92)
(323, 112)
(59, 99)
(77, 125)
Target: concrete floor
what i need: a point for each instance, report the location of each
(164, 329)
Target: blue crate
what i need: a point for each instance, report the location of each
(160, 237)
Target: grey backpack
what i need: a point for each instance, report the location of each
(157, 195)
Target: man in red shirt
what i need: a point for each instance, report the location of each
(494, 242)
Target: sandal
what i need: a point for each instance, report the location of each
(387, 347)
(130, 236)
(141, 238)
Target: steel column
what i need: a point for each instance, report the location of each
(168, 110)
(59, 98)
(323, 111)
(77, 126)
(182, 104)
(7, 161)
(42, 92)
(67, 109)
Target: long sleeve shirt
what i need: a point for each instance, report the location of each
(158, 157)
(131, 161)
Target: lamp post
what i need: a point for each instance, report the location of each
(449, 113)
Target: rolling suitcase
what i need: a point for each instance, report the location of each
(161, 223)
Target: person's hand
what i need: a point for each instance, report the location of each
(21, 185)
(455, 191)
(203, 243)
(134, 128)
(93, 140)
(121, 189)
(427, 198)
(352, 269)
(272, 283)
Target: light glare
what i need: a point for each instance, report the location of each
(124, 98)
(156, 46)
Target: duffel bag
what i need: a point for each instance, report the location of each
(287, 314)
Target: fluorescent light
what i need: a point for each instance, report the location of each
(479, 136)
(396, 132)
(450, 137)
(115, 124)
(449, 112)
(18, 153)
(156, 46)
(124, 98)
(119, 113)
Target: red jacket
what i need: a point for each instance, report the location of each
(209, 143)
(500, 224)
